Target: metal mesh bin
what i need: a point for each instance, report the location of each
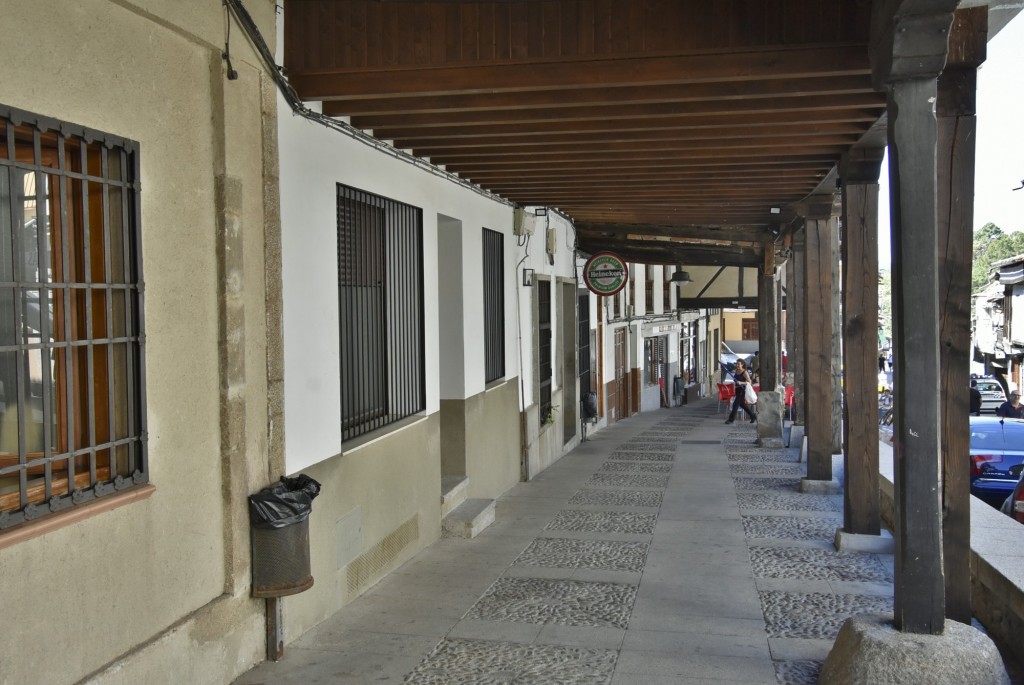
(280, 537)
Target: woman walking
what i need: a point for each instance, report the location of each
(741, 378)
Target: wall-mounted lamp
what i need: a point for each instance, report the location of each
(528, 277)
(540, 211)
(775, 210)
(681, 276)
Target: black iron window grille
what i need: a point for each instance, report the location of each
(583, 342)
(380, 299)
(72, 388)
(656, 358)
(494, 305)
(544, 348)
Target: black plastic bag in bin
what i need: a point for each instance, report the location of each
(283, 504)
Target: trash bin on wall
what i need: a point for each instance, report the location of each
(279, 516)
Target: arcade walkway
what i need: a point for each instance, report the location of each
(666, 549)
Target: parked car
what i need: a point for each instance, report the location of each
(997, 457)
(1014, 504)
(992, 394)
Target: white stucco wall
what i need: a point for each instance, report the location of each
(313, 160)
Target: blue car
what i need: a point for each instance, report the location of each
(997, 457)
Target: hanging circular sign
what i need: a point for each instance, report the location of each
(605, 273)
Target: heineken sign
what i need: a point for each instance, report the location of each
(606, 273)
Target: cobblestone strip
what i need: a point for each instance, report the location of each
(618, 498)
(563, 602)
(478, 662)
(604, 555)
(768, 480)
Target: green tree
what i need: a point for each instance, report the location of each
(991, 244)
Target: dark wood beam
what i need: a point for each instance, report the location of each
(762, 167)
(957, 133)
(818, 346)
(717, 302)
(732, 234)
(661, 252)
(859, 171)
(863, 115)
(518, 101)
(504, 160)
(549, 150)
(563, 75)
(569, 111)
(471, 168)
(796, 131)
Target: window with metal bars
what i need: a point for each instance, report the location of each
(380, 300)
(494, 305)
(72, 390)
(544, 347)
(655, 349)
(583, 337)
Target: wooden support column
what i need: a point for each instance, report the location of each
(768, 321)
(797, 343)
(908, 52)
(817, 352)
(837, 341)
(858, 171)
(957, 127)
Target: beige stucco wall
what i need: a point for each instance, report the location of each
(492, 440)
(156, 591)
(379, 504)
(480, 439)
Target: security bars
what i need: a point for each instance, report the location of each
(380, 300)
(72, 389)
(494, 305)
(544, 347)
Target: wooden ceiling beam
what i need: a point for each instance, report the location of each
(863, 115)
(570, 111)
(844, 142)
(518, 101)
(508, 161)
(586, 139)
(738, 65)
(744, 233)
(679, 217)
(814, 167)
(673, 253)
(517, 167)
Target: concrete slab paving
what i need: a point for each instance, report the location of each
(629, 561)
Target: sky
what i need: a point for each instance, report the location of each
(999, 157)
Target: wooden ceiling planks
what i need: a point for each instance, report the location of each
(667, 116)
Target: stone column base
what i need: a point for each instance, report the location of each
(820, 487)
(870, 651)
(883, 543)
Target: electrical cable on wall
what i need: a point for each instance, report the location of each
(252, 32)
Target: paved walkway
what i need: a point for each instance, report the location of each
(668, 548)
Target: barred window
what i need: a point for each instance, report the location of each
(656, 358)
(72, 404)
(494, 305)
(544, 347)
(380, 300)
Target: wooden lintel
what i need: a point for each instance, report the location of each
(968, 38)
(670, 253)
(861, 165)
(908, 43)
(556, 74)
(821, 206)
(717, 302)
(750, 234)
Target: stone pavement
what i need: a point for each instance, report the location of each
(668, 548)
